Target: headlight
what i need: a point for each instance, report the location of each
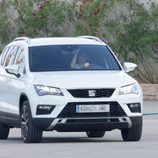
(46, 90)
(129, 89)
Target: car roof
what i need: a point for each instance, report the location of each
(59, 41)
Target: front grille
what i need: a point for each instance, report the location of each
(69, 110)
(91, 93)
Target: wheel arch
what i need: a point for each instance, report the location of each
(23, 97)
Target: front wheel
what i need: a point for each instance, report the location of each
(30, 133)
(95, 134)
(134, 133)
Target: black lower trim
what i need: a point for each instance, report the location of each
(69, 111)
(43, 123)
(78, 127)
(134, 107)
(9, 119)
(95, 125)
(44, 109)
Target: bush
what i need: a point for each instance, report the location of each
(128, 27)
(34, 18)
(43, 18)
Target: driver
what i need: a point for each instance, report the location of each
(82, 61)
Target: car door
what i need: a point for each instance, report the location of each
(14, 83)
(7, 93)
(3, 89)
(18, 83)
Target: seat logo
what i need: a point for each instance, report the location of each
(92, 93)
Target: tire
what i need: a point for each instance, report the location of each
(95, 134)
(4, 131)
(30, 133)
(134, 133)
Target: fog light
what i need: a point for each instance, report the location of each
(134, 107)
(44, 109)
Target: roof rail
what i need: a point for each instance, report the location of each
(22, 39)
(91, 37)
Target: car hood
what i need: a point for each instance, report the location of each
(87, 79)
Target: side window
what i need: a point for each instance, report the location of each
(11, 55)
(19, 60)
(20, 56)
(3, 56)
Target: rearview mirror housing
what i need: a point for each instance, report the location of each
(13, 70)
(128, 67)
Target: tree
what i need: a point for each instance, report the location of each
(128, 27)
(34, 18)
(4, 24)
(90, 17)
(42, 18)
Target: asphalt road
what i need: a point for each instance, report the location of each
(77, 145)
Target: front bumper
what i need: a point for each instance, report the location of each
(65, 118)
(86, 124)
(60, 102)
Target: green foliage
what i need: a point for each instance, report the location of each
(134, 35)
(133, 32)
(4, 24)
(90, 14)
(3, 28)
(44, 18)
(128, 32)
(127, 26)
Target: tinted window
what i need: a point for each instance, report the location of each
(10, 56)
(20, 56)
(71, 57)
(19, 59)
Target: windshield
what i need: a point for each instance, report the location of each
(71, 58)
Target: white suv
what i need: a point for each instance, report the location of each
(67, 84)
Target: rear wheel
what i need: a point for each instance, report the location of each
(30, 133)
(95, 134)
(132, 134)
(4, 131)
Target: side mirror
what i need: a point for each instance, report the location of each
(128, 67)
(13, 70)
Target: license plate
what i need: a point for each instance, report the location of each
(92, 108)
